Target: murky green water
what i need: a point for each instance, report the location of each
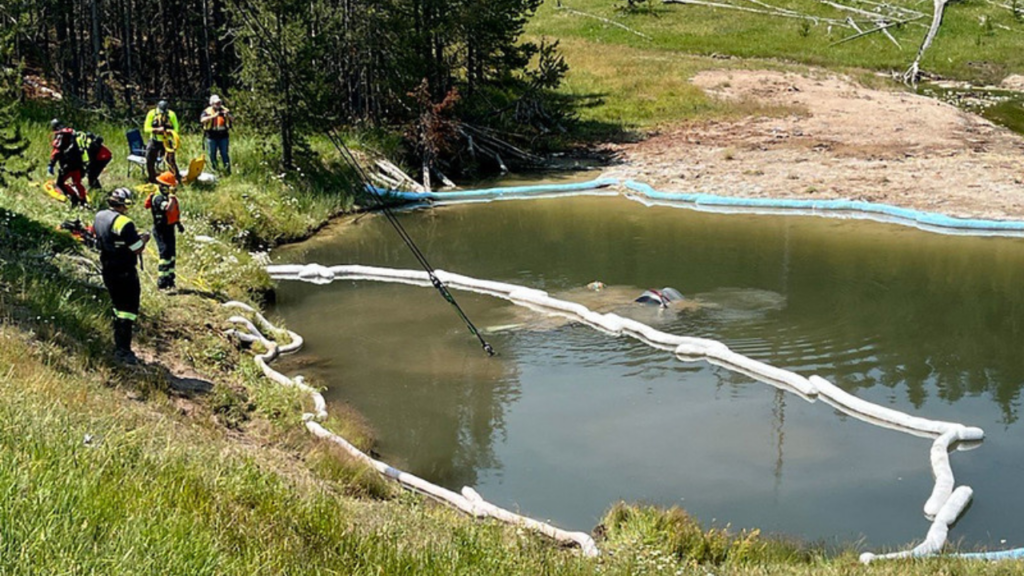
(567, 420)
(1002, 107)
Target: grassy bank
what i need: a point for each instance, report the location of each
(978, 40)
(107, 470)
(622, 77)
(624, 87)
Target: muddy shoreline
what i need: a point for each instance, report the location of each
(841, 140)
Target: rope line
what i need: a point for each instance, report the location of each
(363, 181)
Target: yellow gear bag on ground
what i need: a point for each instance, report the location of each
(195, 168)
(54, 193)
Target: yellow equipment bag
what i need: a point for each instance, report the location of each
(195, 168)
(54, 193)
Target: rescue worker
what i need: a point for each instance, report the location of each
(162, 126)
(65, 151)
(120, 246)
(166, 218)
(95, 156)
(216, 121)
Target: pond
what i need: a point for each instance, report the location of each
(1002, 107)
(567, 420)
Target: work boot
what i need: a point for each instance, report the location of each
(126, 357)
(123, 342)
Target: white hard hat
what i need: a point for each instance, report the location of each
(214, 100)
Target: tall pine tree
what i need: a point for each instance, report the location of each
(13, 163)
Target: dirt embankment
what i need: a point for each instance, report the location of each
(843, 140)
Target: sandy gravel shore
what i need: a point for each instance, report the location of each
(842, 140)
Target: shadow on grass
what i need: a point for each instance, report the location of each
(46, 297)
(40, 296)
(70, 311)
(585, 141)
(595, 132)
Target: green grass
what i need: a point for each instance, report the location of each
(106, 470)
(628, 88)
(96, 483)
(625, 82)
(971, 44)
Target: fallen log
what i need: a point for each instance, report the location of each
(870, 31)
(913, 73)
(444, 179)
(602, 19)
(816, 19)
(878, 18)
(398, 174)
(893, 8)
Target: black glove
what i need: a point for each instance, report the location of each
(181, 227)
(49, 169)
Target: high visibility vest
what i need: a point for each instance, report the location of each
(85, 141)
(219, 123)
(167, 119)
(173, 210)
(165, 208)
(117, 245)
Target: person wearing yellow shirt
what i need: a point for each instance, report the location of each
(162, 126)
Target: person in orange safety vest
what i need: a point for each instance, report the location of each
(163, 204)
(216, 122)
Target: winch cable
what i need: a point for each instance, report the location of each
(363, 181)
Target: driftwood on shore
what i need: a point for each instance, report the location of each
(913, 73)
(399, 177)
(490, 143)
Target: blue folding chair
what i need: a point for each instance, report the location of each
(137, 151)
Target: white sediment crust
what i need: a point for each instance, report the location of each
(944, 504)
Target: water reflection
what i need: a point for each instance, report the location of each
(443, 403)
(566, 420)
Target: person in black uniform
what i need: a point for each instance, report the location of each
(120, 244)
(166, 218)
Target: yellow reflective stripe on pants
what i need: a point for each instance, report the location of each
(126, 315)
